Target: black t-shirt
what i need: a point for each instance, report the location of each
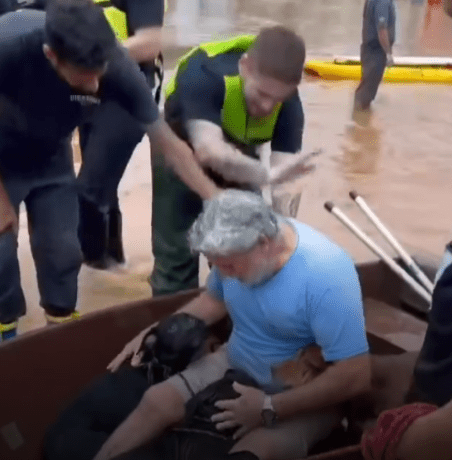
(7, 5)
(200, 95)
(141, 14)
(38, 110)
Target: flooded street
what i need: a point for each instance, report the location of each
(401, 163)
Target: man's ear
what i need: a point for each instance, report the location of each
(245, 65)
(49, 54)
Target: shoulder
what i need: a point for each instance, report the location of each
(199, 74)
(143, 13)
(21, 47)
(326, 262)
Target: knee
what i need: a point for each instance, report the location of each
(257, 443)
(63, 251)
(165, 403)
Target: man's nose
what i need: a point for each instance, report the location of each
(92, 84)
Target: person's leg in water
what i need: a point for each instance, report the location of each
(373, 64)
(174, 209)
(107, 140)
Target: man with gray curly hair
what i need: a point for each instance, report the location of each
(285, 287)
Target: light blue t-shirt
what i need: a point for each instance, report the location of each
(315, 298)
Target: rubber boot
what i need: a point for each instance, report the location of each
(115, 246)
(93, 235)
(8, 331)
(53, 320)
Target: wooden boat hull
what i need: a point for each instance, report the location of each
(43, 370)
(330, 70)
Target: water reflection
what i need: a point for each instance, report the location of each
(328, 26)
(362, 147)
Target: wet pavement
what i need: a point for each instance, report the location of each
(400, 163)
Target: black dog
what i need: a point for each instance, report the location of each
(85, 425)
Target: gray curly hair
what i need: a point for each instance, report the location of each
(232, 222)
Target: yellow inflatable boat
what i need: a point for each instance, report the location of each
(405, 70)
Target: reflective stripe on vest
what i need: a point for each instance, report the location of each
(116, 18)
(234, 117)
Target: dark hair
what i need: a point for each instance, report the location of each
(279, 53)
(78, 32)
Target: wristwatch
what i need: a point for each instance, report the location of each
(268, 413)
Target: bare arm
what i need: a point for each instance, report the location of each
(383, 37)
(145, 45)
(340, 382)
(428, 437)
(161, 407)
(213, 151)
(286, 167)
(181, 158)
(204, 307)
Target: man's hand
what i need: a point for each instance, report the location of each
(132, 350)
(9, 221)
(245, 411)
(389, 60)
(286, 167)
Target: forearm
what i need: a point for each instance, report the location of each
(428, 437)
(329, 388)
(142, 426)
(383, 37)
(145, 45)
(202, 308)
(214, 152)
(232, 164)
(181, 159)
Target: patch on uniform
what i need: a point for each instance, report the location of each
(84, 99)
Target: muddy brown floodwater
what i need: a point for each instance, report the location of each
(401, 163)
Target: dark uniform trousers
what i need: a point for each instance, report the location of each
(107, 140)
(50, 197)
